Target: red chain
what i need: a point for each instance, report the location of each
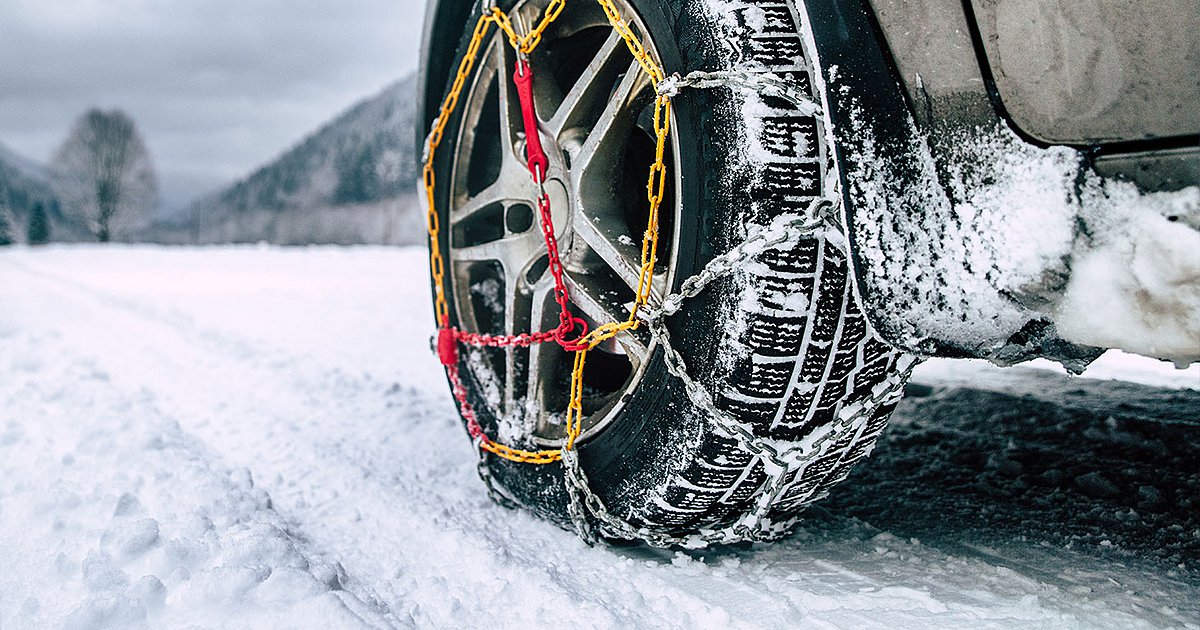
(570, 328)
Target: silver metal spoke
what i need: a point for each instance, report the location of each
(594, 308)
(523, 313)
(613, 121)
(603, 311)
(505, 191)
(622, 259)
(512, 128)
(510, 354)
(537, 364)
(634, 348)
(515, 253)
(592, 86)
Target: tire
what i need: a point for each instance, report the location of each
(782, 344)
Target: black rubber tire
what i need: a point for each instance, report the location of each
(784, 372)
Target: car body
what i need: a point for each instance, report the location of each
(1107, 92)
(1112, 87)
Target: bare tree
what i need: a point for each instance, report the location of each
(104, 173)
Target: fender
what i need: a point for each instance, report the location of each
(917, 264)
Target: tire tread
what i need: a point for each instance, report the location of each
(796, 370)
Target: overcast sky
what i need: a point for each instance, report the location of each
(217, 87)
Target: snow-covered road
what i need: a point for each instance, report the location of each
(260, 437)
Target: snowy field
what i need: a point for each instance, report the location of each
(244, 437)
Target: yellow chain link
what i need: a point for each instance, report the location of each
(534, 37)
(505, 24)
(655, 190)
(518, 455)
(635, 46)
(436, 264)
(530, 41)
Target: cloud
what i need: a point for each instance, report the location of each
(217, 87)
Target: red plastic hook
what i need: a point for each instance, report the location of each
(534, 154)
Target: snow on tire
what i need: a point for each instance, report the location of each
(781, 344)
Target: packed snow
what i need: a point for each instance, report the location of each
(1135, 283)
(259, 437)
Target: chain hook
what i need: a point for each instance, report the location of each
(522, 37)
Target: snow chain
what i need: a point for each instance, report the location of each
(585, 507)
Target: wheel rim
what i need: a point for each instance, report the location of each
(595, 107)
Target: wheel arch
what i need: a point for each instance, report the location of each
(896, 152)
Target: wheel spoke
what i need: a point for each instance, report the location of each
(514, 253)
(592, 302)
(621, 258)
(634, 348)
(512, 355)
(596, 309)
(537, 359)
(613, 122)
(511, 126)
(507, 190)
(591, 88)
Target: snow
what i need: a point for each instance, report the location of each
(1136, 284)
(1113, 365)
(1002, 225)
(260, 437)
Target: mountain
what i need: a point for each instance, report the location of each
(352, 181)
(25, 183)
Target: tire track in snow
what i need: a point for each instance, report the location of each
(458, 519)
(189, 541)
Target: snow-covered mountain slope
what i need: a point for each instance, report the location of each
(23, 166)
(25, 183)
(255, 437)
(351, 181)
